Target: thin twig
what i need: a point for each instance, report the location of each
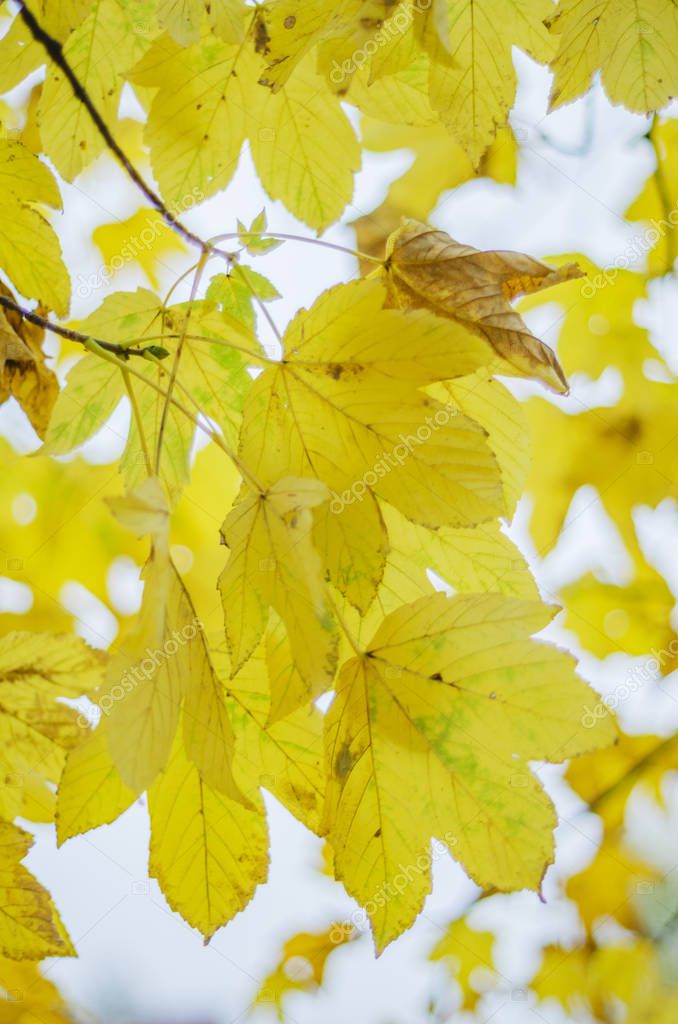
(66, 332)
(291, 238)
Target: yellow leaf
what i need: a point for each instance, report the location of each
(104, 44)
(472, 79)
(476, 560)
(625, 452)
(36, 729)
(428, 269)
(91, 791)
(38, 999)
(197, 122)
(494, 407)
(285, 757)
(465, 950)
(208, 852)
(605, 779)
(30, 928)
(273, 565)
(144, 511)
(60, 19)
(606, 888)
(440, 163)
(400, 97)
(214, 374)
(143, 238)
(632, 44)
(286, 33)
(304, 148)
(635, 618)
(183, 18)
(600, 331)
(301, 967)
(20, 54)
(304, 414)
(30, 253)
(430, 736)
(354, 544)
(23, 371)
(166, 662)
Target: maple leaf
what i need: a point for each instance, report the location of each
(315, 427)
(165, 665)
(210, 93)
(472, 79)
(651, 204)
(110, 36)
(254, 239)
(30, 928)
(631, 44)
(440, 164)
(606, 779)
(428, 269)
(606, 887)
(601, 331)
(430, 729)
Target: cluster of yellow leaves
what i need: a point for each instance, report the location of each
(626, 451)
(38, 730)
(377, 450)
(215, 74)
(442, 702)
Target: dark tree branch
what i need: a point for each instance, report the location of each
(55, 52)
(65, 332)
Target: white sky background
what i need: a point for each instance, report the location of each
(137, 960)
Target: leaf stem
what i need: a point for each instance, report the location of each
(136, 413)
(342, 622)
(292, 238)
(201, 420)
(200, 267)
(241, 272)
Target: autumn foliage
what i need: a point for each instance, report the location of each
(357, 635)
